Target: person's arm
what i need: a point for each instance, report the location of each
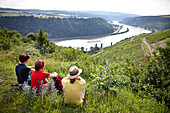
(31, 70)
(63, 81)
(20, 85)
(81, 79)
(54, 74)
(46, 81)
(31, 66)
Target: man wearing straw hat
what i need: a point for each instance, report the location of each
(74, 87)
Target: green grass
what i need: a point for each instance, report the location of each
(124, 48)
(108, 68)
(153, 38)
(13, 100)
(124, 101)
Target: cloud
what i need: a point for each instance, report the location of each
(142, 7)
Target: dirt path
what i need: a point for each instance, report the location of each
(160, 43)
(142, 48)
(148, 46)
(144, 51)
(131, 39)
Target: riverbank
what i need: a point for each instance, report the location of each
(79, 37)
(121, 32)
(105, 40)
(88, 37)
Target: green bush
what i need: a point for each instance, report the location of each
(151, 78)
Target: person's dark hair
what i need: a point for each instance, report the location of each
(37, 65)
(72, 80)
(23, 57)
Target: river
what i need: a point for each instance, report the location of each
(105, 41)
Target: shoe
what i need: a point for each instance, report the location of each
(19, 88)
(13, 84)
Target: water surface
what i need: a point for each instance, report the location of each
(105, 41)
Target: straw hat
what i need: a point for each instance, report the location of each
(74, 72)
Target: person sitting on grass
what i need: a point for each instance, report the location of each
(22, 71)
(74, 87)
(38, 78)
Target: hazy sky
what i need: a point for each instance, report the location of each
(141, 7)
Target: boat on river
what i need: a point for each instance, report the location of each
(93, 41)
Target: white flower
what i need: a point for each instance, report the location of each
(101, 83)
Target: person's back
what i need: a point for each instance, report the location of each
(73, 91)
(38, 77)
(22, 71)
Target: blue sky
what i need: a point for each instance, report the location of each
(141, 7)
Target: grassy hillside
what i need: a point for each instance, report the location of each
(156, 37)
(132, 47)
(115, 82)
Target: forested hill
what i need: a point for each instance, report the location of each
(155, 23)
(57, 27)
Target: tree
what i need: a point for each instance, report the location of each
(95, 45)
(101, 45)
(8, 39)
(43, 42)
(91, 48)
(31, 36)
(82, 49)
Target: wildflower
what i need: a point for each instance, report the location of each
(101, 83)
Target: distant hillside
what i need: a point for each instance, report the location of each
(109, 16)
(57, 27)
(155, 23)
